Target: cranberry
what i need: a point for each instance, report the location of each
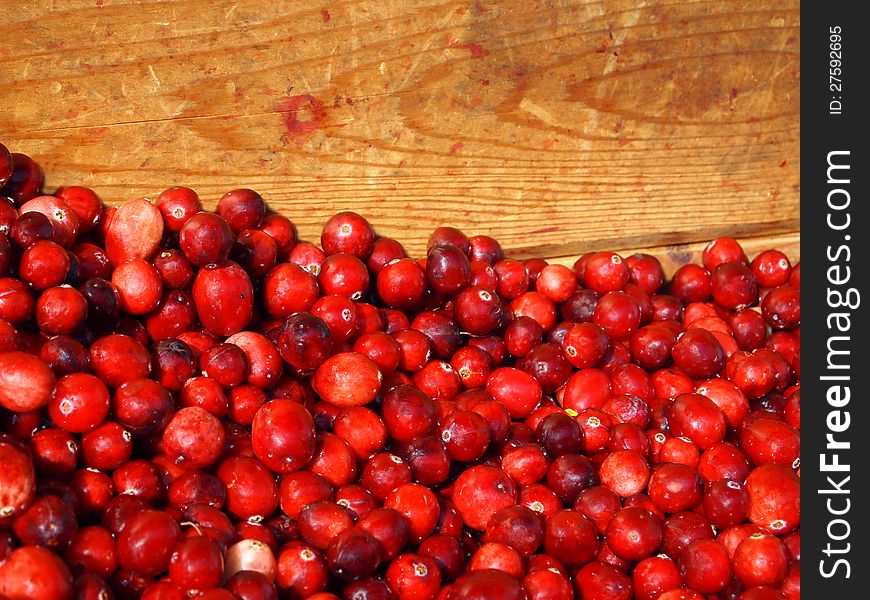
(781, 307)
(283, 435)
(251, 488)
(401, 284)
(193, 437)
(146, 544)
(44, 264)
(6, 167)
(414, 576)
(242, 209)
(774, 498)
(347, 379)
(134, 231)
(706, 566)
(223, 296)
(64, 220)
(698, 418)
(30, 228)
(251, 585)
(302, 570)
(478, 311)
(486, 584)
(282, 230)
(35, 573)
(142, 406)
(480, 491)
(692, 283)
(618, 314)
(26, 383)
(634, 533)
(18, 480)
(517, 390)
(177, 205)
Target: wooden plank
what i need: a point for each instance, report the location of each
(556, 127)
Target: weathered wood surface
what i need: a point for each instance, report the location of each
(557, 126)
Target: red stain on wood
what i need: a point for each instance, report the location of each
(456, 147)
(476, 50)
(303, 113)
(325, 14)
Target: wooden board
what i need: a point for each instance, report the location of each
(557, 126)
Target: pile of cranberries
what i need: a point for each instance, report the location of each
(196, 404)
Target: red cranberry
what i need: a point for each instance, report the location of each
(146, 544)
(283, 435)
(480, 491)
(223, 296)
(35, 573)
(478, 311)
(634, 533)
(486, 584)
(26, 383)
(771, 268)
(142, 406)
(706, 566)
(251, 488)
(241, 209)
(134, 231)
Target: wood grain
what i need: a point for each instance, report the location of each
(557, 126)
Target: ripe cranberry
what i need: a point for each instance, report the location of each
(263, 358)
(133, 231)
(770, 440)
(347, 379)
(94, 549)
(47, 522)
(634, 533)
(570, 538)
(64, 220)
(251, 490)
(117, 359)
(241, 209)
(486, 584)
(283, 435)
(193, 437)
(340, 316)
(605, 272)
(401, 284)
(302, 570)
(698, 418)
(698, 353)
(626, 472)
(223, 296)
(6, 167)
(722, 250)
(480, 491)
(146, 544)
(26, 383)
(80, 402)
(414, 576)
(142, 406)
(347, 233)
(774, 498)
(733, 285)
(255, 251)
(548, 365)
(196, 564)
(674, 487)
(517, 390)
(706, 566)
(35, 573)
(781, 307)
(44, 264)
(353, 554)
(282, 230)
(29, 228)
(251, 585)
(771, 268)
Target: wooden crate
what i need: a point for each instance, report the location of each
(557, 126)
